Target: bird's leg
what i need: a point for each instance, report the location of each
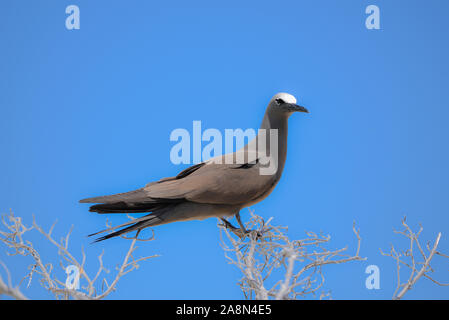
(227, 224)
(240, 232)
(237, 231)
(242, 227)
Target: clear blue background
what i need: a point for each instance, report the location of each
(89, 112)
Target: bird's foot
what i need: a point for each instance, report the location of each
(241, 232)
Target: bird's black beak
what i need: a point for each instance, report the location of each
(295, 108)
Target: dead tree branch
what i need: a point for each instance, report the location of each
(13, 238)
(267, 251)
(408, 259)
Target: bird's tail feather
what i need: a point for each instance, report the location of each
(136, 226)
(134, 221)
(125, 207)
(152, 219)
(131, 196)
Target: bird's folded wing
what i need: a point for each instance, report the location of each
(215, 184)
(207, 182)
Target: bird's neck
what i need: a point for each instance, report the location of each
(279, 122)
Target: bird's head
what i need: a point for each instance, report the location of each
(286, 104)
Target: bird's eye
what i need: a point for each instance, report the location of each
(279, 101)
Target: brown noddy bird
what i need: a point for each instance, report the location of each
(219, 187)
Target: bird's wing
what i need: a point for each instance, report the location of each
(215, 184)
(141, 195)
(207, 182)
(134, 196)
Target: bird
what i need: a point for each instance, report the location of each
(214, 188)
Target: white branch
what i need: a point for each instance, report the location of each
(12, 237)
(266, 250)
(407, 258)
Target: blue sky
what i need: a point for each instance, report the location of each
(89, 112)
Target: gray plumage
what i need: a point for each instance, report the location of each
(208, 189)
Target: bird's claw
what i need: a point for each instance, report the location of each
(239, 232)
(253, 234)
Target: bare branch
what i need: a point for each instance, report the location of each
(7, 289)
(13, 238)
(267, 250)
(407, 259)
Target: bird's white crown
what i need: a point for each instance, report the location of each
(286, 97)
